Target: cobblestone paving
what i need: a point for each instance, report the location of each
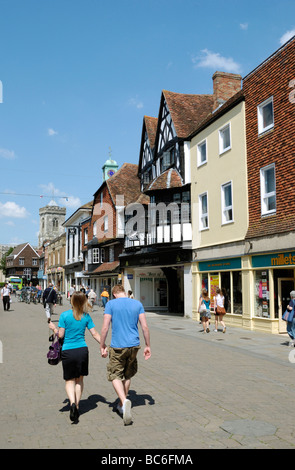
(213, 391)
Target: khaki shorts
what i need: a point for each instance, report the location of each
(122, 363)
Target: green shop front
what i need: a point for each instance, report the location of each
(258, 288)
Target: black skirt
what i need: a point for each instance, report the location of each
(74, 362)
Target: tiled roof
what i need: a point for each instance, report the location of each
(167, 180)
(107, 267)
(212, 116)
(187, 110)
(151, 128)
(126, 182)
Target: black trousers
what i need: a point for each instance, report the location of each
(6, 302)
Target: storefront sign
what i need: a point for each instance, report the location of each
(274, 260)
(220, 264)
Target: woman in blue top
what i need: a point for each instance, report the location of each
(204, 310)
(72, 325)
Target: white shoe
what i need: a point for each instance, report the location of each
(215, 331)
(119, 409)
(127, 418)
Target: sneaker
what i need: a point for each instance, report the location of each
(207, 330)
(127, 418)
(215, 331)
(119, 409)
(224, 330)
(291, 344)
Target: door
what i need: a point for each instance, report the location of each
(285, 285)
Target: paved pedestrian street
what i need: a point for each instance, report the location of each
(212, 391)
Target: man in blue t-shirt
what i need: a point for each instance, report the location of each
(124, 313)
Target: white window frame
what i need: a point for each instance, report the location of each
(260, 107)
(203, 215)
(95, 255)
(225, 208)
(106, 223)
(94, 228)
(223, 149)
(199, 161)
(264, 196)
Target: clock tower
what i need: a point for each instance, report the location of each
(109, 168)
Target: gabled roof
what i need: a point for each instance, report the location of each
(125, 182)
(151, 129)
(211, 117)
(19, 248)
(149, 126)
(167, 180)
(187, 110)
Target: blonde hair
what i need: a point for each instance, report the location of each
(205, 294)
(79, 305)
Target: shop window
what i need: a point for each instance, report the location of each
(262, 294)
(237, 307)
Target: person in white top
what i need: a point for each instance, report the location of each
(219, 302)
(5, 296)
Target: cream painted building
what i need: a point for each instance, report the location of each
(220, 209)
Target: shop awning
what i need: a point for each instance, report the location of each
(109, 267)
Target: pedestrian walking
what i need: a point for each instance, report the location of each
(104, 297)
(219, 309)
(5, 296)
(75, 358)
(291, 324)
(92, 297)
(204, 310)
(124, 314)
(49, 300)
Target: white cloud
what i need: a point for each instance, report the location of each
(214, 60)
(51, 132)
(10, 223)
(288, 35)
(11, 209)
(61, 197)
(135, 102)
(8, 154)
(244, 26)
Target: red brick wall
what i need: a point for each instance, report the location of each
(98, 216)
(276, 145)
(225, 85)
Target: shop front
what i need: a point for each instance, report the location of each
(226, 274)
(157, 279)
(273, 276)
(258, 288)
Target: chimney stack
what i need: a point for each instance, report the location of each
(225, 85)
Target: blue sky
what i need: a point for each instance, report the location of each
(79, 75)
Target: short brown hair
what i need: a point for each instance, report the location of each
(117, 289)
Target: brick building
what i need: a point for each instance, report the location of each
(103, 233)
(23, 262)
(270, 137)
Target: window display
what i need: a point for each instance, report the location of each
(262, 294)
